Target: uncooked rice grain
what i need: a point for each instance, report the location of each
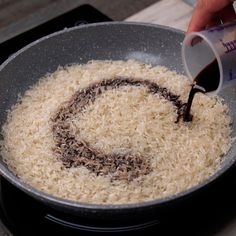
(123, 120)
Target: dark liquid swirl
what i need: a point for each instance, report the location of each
(75, 152)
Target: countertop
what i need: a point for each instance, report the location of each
(174, 13)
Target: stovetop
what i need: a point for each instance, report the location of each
(84, 14)
(208, 214)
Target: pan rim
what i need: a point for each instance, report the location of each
(56, 201)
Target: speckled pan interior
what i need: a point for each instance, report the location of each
(111, 41)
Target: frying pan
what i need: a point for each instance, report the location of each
(111, 41)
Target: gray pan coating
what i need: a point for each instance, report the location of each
(117, 40)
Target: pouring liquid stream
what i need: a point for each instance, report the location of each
(206, 81)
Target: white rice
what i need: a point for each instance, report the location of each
(126, 119)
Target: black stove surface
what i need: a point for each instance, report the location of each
(22, 215)
(84, 14)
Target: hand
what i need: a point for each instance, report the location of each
(211, 12)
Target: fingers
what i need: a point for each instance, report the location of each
(227, 14)
(211, 12)
(213, 22)
(199, 20)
